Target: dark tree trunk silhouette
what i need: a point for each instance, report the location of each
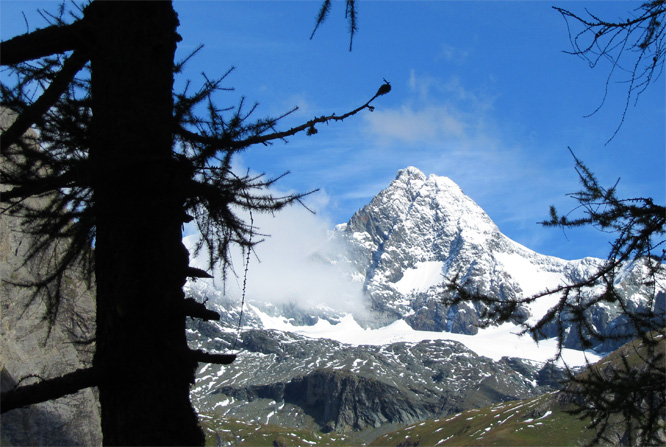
(141, 264)
(127, 163)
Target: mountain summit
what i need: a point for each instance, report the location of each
(406, 245)
(421, 231)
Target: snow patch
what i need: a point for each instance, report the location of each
(492, 342)
(421, 278)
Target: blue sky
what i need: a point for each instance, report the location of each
(482, 93)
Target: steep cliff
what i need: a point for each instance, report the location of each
(421, 231)
(31, 350)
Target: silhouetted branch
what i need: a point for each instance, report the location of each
(36, 110)
(48, 389)
(207, 357)
(642, 37)
(350, 15)
(321, 16)
(193, 272)
(230, 144)
(36, 187)
(195, 309)
(42, 42)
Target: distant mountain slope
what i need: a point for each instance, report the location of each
(542, 420)
(289, 380)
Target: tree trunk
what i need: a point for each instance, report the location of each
(141, 264)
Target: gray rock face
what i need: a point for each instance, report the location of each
(285, 379)
(28, 350)
(339, 400)
(420, 232)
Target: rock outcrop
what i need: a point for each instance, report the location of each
(319, 384)
(31, 350)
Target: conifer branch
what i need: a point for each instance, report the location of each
(44, 42)
(227, 143)
(36, 110)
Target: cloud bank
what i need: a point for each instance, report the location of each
(294, 264)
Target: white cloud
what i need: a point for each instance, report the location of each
(439, 112)
(452, 54)
(412, 125)
(291, 265)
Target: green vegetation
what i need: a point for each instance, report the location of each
(241, 433)
(537, 421)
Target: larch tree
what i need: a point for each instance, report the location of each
(124, 162)
(626, 395)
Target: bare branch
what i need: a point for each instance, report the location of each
(43, 42)
(58, 86)
(229, 144)
(48, 389)
(640, 39)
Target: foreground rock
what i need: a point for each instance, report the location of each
(30, 350)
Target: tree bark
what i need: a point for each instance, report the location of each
(145, 364)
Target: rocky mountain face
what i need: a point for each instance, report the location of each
(422, 231)
(318, 384)
(30, 350)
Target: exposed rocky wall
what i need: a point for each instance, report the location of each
(31, 351)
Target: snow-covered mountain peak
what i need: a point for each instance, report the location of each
(421, 231)
(422, 207)
(414, 179)
(410, 172)
(401, 250)
(417, 219)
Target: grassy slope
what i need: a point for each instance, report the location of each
(528, 422)
(237, 432)
(536, 421)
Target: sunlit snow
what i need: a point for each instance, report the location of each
(419, 279)
(495, 342)
(532, 280)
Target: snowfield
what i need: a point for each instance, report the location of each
(494, 342)
(420, 279)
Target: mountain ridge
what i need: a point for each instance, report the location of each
(419, 221)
